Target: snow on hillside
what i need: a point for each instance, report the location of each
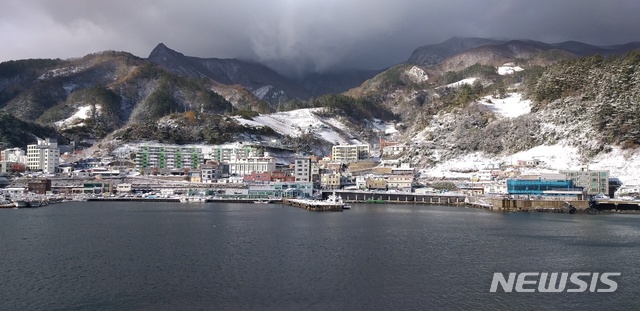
(76, 119)
(508, 69)
(60, 72)
(297, 122)
(509, 107)
(468, 81)
(262, 91)
(382, 127)
(554, 158)
(621, 164)
(417, 75)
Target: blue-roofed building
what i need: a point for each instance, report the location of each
(543, 187)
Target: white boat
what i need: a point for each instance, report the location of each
(262, 202)
(193, 199)
(333, 198)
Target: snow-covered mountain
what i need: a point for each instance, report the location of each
(531, 102)
(583, 111)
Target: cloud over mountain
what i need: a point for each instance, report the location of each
(300, 36)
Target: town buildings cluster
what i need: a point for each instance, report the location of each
(351, 167)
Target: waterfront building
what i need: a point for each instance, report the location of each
(425, 190)
(104, 172)
(168, 156)
(315, 171)
(257, 178)
(124, 188)
(593, 181)
(350, 153)
(471, 188)
(281, 176)
(96, 187)
(376, 184)
(43, 156)
(281, 189)
(402, 182)
(195, 176)
(240, 167)
(542, 187)
(40, 186)
(207, 173)
(331, 180)
(12, 191)
(499, 187)
(302, 169)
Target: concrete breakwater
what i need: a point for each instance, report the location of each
(314, 205)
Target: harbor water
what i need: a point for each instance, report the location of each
(222, 256)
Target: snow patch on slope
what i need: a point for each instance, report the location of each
(509, 107)
(58, 72)
(77, 119)
(621, 164)
(508, 69)
(417, 75)
(383, 127)
(468, 81)
(554, 157)
(262, 91)
(297, 122)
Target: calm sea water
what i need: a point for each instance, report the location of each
(148, 256)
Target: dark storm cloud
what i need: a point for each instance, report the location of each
(300, 35)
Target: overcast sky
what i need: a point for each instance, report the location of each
(306, 35)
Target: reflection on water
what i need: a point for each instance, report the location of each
(257, 256)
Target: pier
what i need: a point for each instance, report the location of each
(177, 200)
(314, 205)
(397, 197)
(616, 205)
(133, 199)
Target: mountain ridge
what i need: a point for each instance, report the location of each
(440, 113)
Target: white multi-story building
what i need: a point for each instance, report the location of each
(232, 152)
(43, 156)
(168, 156)
(240, 167)
(393, 150)
(350, 153)
(593, 181)
(16, 155)
(302, 169)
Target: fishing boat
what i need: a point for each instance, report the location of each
(20, 203)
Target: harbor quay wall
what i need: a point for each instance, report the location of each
(519, 204)
(396, 197)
